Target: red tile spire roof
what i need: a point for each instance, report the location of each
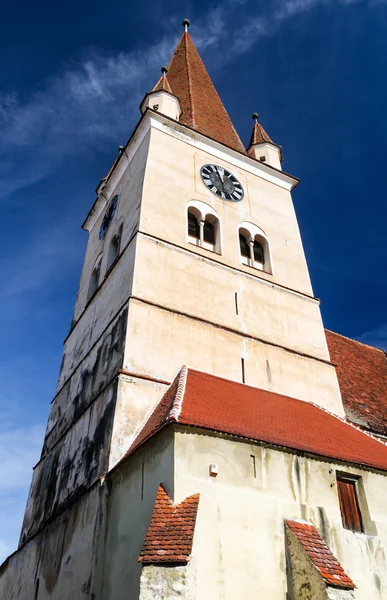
(202, 109)
(170, 534)
(206, 401)
(322, 558)
(260, 136)
(162, 84)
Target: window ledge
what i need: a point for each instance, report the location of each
(256, 268)
(205, 246)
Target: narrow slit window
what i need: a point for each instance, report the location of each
(253, 466)
(209, 233)
(349, 504)
(259, 255)
(193, 226)
(244, 246)
(243, 370)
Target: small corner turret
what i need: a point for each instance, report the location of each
(262, 147)
(162, 99)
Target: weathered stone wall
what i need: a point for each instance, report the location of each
(166, 583)
(96, 371)
(73, 464)
(60, 557)
(305, 582)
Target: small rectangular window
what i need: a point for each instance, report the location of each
(349, 503)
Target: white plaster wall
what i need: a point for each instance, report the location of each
(129, 189)
(160, 342)
(168, 274)
(173, 178)
(239, 539)
(186, 282)
(136, 399)
(130, 509)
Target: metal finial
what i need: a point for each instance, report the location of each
(164, 70)
(256, 117)
(186, 24)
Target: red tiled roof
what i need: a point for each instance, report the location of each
(202, 109)
(322, 558)
(162, 84)
(362, 375)
(170, 534)
(203, 400)
(259, 135)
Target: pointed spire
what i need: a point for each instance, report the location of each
(162, 83)
(202, 109)
(259, 135)
(259, 149)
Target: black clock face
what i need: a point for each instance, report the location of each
(222, 183)
(108, 217)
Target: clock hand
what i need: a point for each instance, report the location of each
(221, 173)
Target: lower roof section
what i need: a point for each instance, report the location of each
(362, 375)
(206, 401)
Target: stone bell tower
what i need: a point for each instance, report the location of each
(194, 257)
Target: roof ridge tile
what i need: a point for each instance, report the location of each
(177, 405)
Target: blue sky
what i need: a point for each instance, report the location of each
(72, 76)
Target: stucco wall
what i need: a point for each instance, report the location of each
(239, 538)
(268, 205)
(133, 493)
(160, 342)
(203, 284)
(129, 189)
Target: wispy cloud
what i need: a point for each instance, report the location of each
(97, 100)
(376, 337)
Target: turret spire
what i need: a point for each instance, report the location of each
(262, 146)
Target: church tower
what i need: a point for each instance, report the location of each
(194, 257)
(194, 275)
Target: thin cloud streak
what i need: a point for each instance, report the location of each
(93, 103)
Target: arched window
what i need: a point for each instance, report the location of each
(114, 249)
(94, 279)
(258, 251)
(209, 233)
(254, 247)
(244, 246)
(193, 226)
(203, 226)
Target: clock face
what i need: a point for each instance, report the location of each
(222, 183)
(108, 217)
